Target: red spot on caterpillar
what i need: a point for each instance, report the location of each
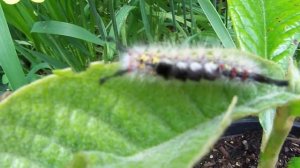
(245, 75)
(233, 73)
(221, 67)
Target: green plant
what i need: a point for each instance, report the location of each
(8, 56)
(271, 36)
(294, 163)
(124, 123)
(68, 119)
(59, 34)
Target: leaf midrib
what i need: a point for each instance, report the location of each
(265, 48)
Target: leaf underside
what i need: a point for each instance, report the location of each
(68, 119)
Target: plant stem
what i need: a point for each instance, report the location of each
(184, 14)
(98, 19)
(283, 123)
(192, 17)
(113, 20)
(173, 14)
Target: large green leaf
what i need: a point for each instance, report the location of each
(268, 28)
(125, 122)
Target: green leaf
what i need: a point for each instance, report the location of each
(294, 86)
(267, 28)
(69, 119)
(32, 76)
(217, 24)
(266, 120)
(278, 123)
(65, 29)
(98, 19)
(121, 17)
(294, 163)
(9, 60)
(21, 16)
(145, 20)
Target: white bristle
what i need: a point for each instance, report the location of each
(210, 67)
(182, 65)
(194, 58)
(195, 63)
(195, 66)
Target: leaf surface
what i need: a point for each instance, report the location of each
(68, 119)
(268, 28)
(294, 163)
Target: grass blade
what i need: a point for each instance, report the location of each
(217, 23)
(184, 13)
(173, 14)
(65, 29)
(145, 20)
(98, 19)
(113, 19)
(121, 17)
(192, 16)
(8, 57)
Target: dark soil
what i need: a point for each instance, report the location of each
(242, 151)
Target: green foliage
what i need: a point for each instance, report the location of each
(267, 28)
(54, 50)
(294, 163)
(63, 33)
(65, 29)
(8, 57)
(69, 118)
(216, 23)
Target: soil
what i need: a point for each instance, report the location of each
(242, 150)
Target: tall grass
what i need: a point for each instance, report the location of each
(58, 34)
(8, 57)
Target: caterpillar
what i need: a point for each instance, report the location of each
(191, 63)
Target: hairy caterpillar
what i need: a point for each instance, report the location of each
(191, 63)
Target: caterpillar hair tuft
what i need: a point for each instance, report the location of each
(192, 63)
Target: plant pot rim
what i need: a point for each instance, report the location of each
(252, 124)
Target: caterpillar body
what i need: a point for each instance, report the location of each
(191, 63)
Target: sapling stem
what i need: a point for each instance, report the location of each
(283, 123)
